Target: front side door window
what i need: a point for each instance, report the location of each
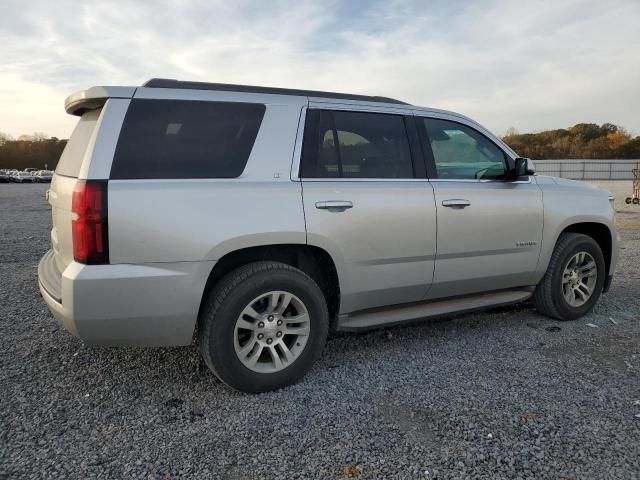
(463, 153)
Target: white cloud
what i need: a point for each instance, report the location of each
(525, 64)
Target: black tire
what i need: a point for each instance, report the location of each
(548, 297)
(230, 296)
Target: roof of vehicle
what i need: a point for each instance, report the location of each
(94, 97)
(229, 87)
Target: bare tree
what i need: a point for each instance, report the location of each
(4, 138)
(511, 131)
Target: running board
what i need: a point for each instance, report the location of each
(379, 317)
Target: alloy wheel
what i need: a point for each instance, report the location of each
(579, 279)
(271, 332)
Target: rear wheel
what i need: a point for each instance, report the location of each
(574, 278)
(263, 326)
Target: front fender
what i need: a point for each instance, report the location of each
(567, 205)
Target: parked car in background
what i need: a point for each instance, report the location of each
(43, 176)
(10, 172)
(4, 176)
(22, 177)
(30, 169)
(263, 218)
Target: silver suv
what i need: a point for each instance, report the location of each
(260, 219)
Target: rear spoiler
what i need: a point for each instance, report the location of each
(95, 97)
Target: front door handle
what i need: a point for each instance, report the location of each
(334, 205)
(456, 203)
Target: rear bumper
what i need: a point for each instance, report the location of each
(124, 304)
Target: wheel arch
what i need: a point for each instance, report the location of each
(314, 261)
(600, 232)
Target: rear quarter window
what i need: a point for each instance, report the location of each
(71, 159)
(186, 139)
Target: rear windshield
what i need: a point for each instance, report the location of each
(186, 139)
(73, 153)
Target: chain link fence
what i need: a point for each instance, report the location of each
(588, 169)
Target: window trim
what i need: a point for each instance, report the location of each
(310, 139)
(336, 142)
(429, 157)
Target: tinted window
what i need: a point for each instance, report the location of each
(186, 139)
(73, 153)
(463, 153)
(356, 145)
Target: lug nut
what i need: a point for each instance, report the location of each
(279, 322)
(279, 334)
(261, 325)
(269, 341)
(260, 336)
(270, 318)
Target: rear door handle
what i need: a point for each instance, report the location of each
(456, 203)
(334, 205)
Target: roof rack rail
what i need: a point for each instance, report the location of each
(228, 87)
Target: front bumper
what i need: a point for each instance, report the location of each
(125, 304)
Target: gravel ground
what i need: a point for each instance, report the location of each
(501, 394)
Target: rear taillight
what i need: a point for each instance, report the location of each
(89, 227)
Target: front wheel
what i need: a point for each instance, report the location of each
(574, 279)
(263, 326)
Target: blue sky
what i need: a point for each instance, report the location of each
(532, 65)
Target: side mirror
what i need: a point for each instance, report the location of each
(530, 167)
(523, 167)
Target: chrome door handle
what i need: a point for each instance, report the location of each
(334, 205)
(456, 203)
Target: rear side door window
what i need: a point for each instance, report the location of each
(344, 144)
(460, 152)
(186, 139)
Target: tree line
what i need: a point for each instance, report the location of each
(37, 151)
(584, 140)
